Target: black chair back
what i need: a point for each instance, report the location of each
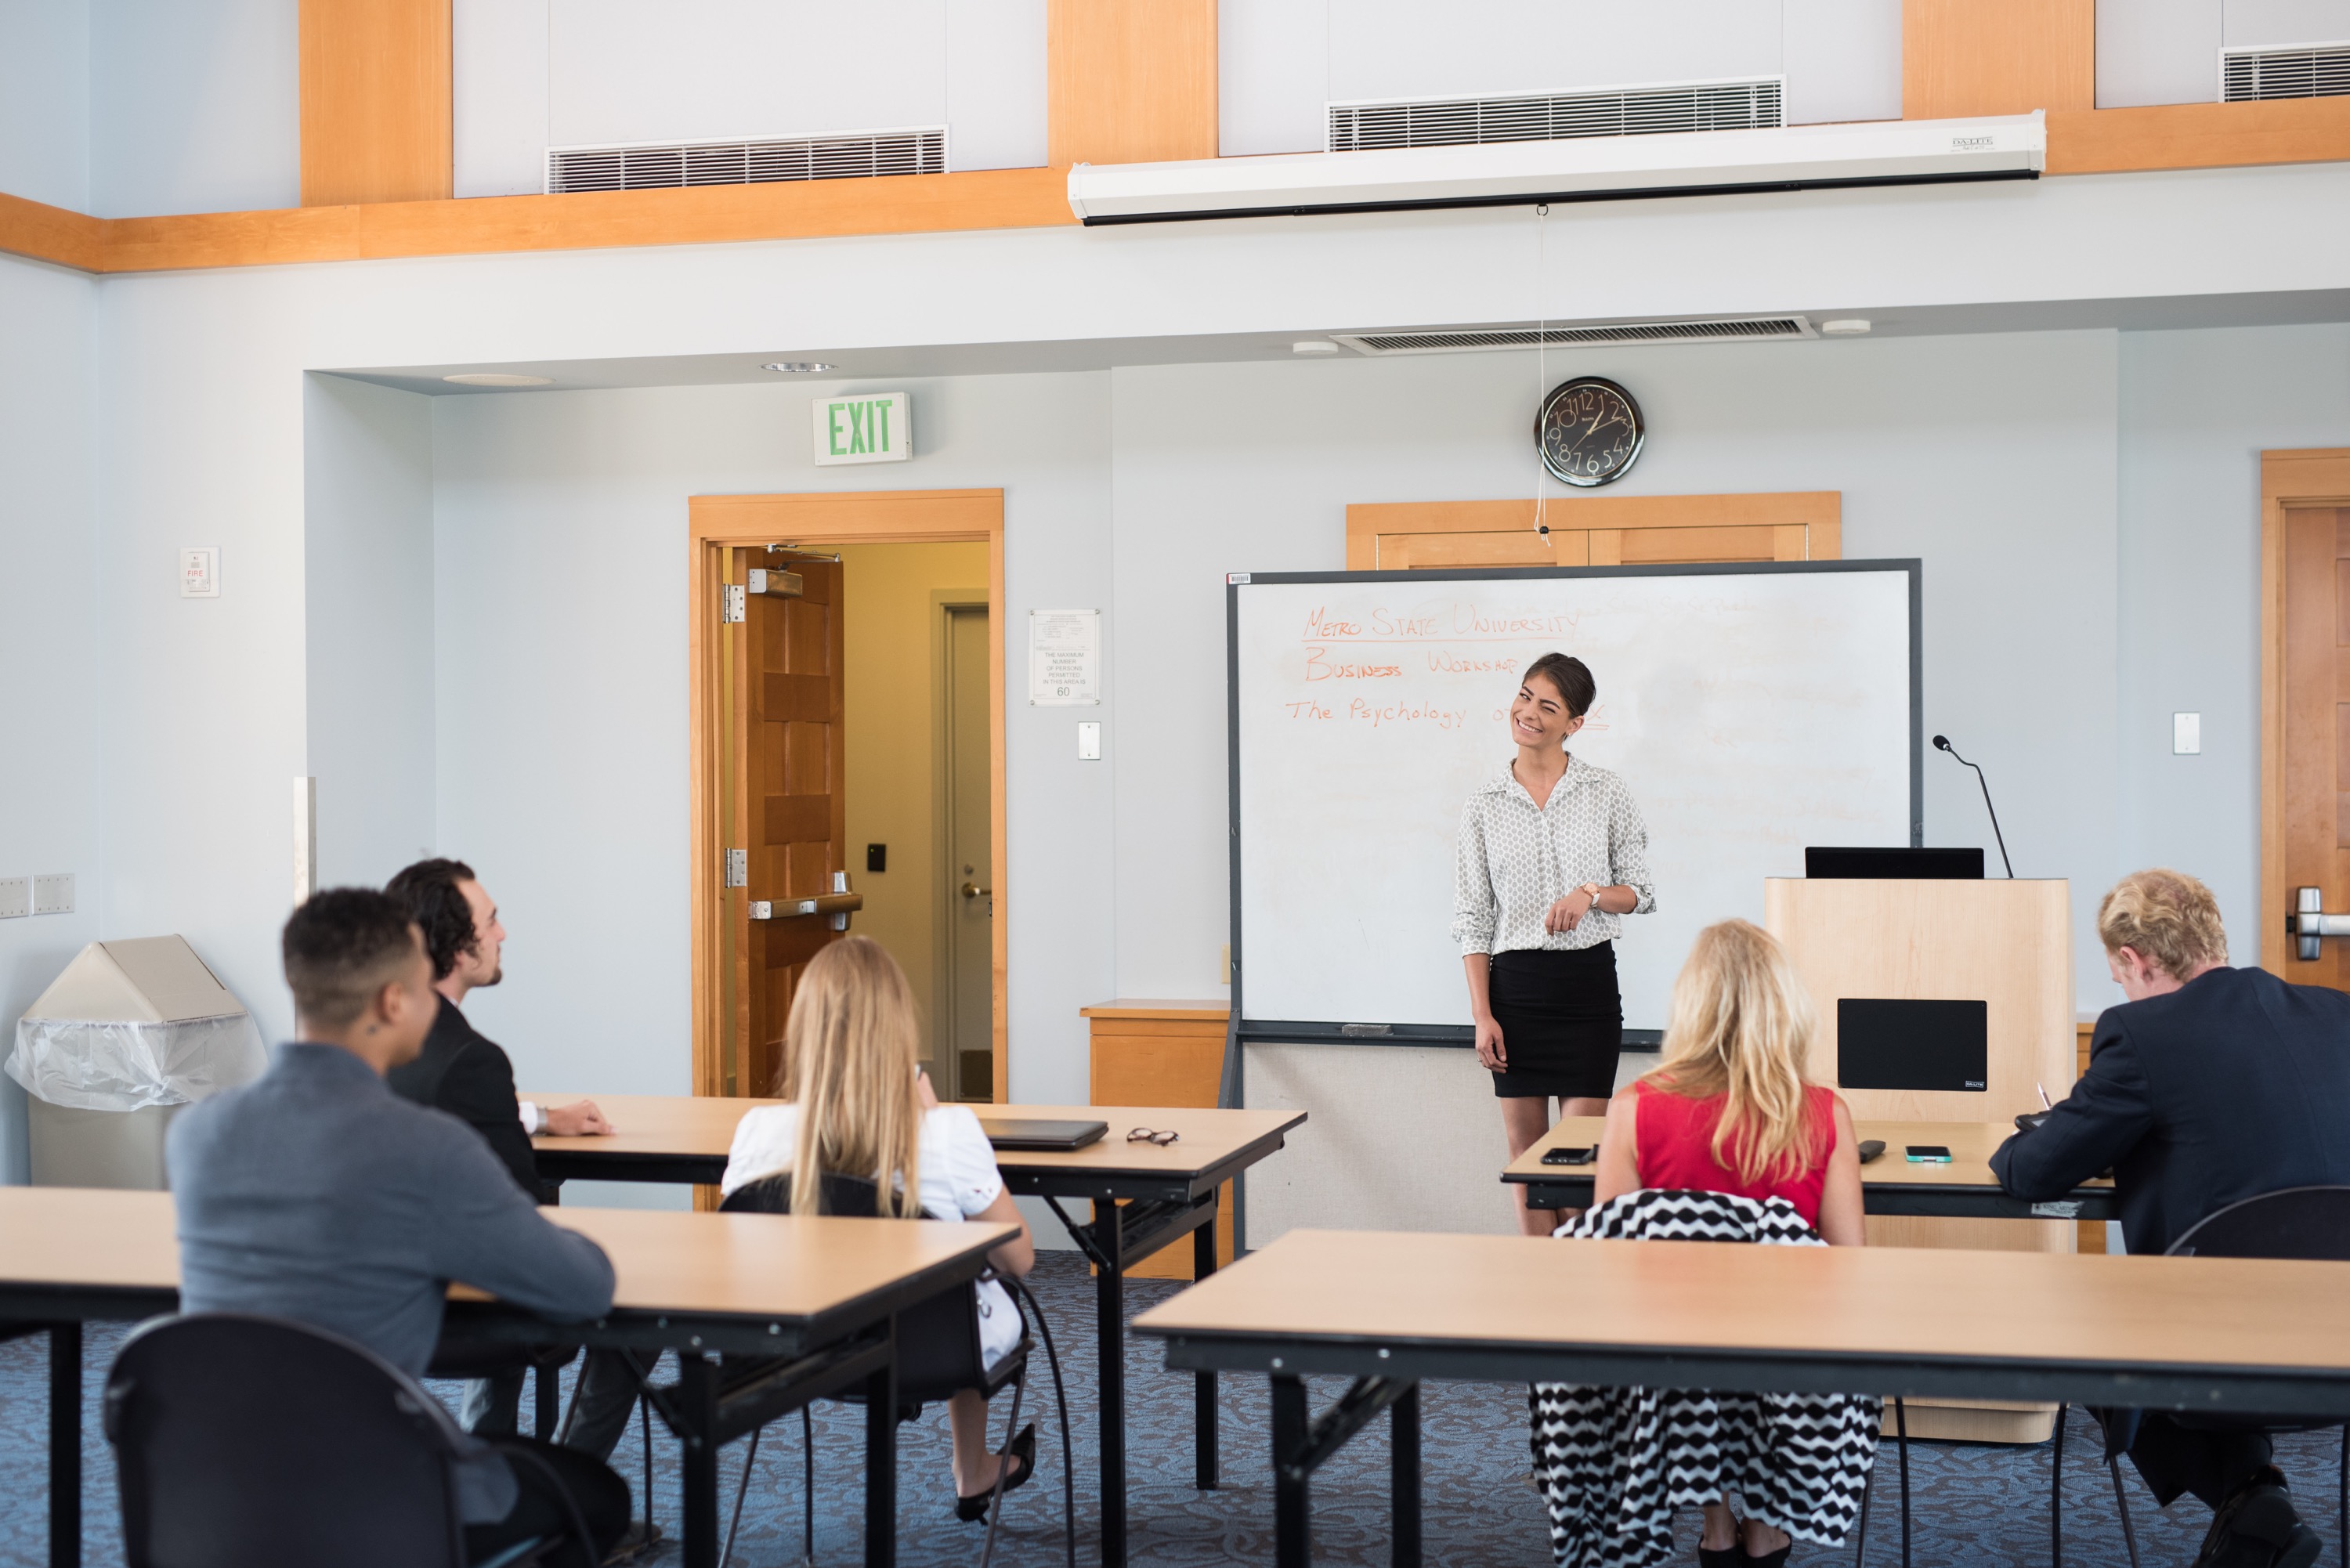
(938, 1339)
(2305, 1222)
(255, 1442)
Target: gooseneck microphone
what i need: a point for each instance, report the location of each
(1943, 743)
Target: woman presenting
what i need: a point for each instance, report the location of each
(1553, 852)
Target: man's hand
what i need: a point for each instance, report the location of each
(579, 1120)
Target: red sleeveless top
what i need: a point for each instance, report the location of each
(1673, 1146)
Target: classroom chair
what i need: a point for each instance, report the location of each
(255, 1442)
(2302, 1222)
(938, 1356)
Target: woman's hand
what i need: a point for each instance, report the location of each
(1569, 912)
(1488, 1045)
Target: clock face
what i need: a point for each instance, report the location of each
(1588, 432)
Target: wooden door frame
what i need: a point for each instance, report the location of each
(1807, 524)
(716, 524)
(2318, 476)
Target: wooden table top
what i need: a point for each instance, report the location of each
(1970, 1145)
(703, 1126)
(779, 1266)
(1900, 1303)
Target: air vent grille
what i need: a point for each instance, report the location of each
(649, 166)
(1553, 116)
(1737, 329)
(2305, 71)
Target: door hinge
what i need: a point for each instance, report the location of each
(730, 603)
(738, 868)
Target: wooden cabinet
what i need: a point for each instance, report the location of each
(1151, 1052)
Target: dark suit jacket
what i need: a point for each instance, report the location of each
(2235, 1084)
(463, 1072)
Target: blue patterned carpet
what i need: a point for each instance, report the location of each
(1972, 1505)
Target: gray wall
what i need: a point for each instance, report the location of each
(367, 492)
(50, 694)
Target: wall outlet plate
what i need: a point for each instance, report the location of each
(53, 895)
(16, 896)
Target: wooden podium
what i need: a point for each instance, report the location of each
(2008, 944)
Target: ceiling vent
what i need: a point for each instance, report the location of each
(646, 166)
(2306, 71)
(1556, 116)
(1609, 335)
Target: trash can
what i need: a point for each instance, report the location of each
(131, 1031)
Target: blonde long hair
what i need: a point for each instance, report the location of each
(850, 1047)
(1741, 1026)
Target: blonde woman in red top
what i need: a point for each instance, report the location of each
(1730, 1111)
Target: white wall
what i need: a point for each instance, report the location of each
(2257, 24)
(195, 106)
(1224, 467)
(50, 694)
(562, 751)
(2197, 409)
(543, 73)
(45, 101)
(2168, 51)
(1282, 60)
(366, 482)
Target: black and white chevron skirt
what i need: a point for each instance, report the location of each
(1614, 1463)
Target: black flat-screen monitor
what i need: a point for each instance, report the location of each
(1898, 1043)
(1949, 865)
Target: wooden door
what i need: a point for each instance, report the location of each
(2305, 701)
(788, 810)
(1595, 531)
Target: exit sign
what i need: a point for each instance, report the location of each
(875, 427)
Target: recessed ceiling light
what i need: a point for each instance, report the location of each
(498, 378)
(1313, 346)
(797, 366)
(1848, 327)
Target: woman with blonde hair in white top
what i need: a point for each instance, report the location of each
(860, 1104)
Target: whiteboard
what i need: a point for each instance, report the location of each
(1752, 710)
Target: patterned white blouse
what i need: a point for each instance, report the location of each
(1515, 860)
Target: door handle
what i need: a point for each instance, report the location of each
(2309, 921)
(973, 890)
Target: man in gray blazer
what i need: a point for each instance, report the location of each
(315, 1193)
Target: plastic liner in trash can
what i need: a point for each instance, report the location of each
(134, 1024)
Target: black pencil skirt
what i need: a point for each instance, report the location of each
(1562, 1021)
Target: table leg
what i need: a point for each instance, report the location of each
(1109, 1298)
(1292, 1541)
(1403, 1425)
(881, 1462)
(64, 1445)
(1203, 1263)
(697, 1410)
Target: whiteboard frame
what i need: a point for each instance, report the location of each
(1358, 1032)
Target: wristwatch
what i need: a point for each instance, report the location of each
(1593, 889)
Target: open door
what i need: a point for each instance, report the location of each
(787, 887)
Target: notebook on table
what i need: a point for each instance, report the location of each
(1035, 1133)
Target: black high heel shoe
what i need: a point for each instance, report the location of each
(973, 1510)
(1728, 1556)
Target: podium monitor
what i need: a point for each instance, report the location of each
(1895, 864)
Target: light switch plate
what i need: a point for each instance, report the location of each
(1088, 741)
(2186, 735)
(16, 896)
(53, 895)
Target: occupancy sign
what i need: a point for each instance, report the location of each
(1063, 659)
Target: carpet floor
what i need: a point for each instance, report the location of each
(1971, 1504)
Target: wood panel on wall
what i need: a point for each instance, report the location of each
(376, 101)
(1130, 81)
(1595, 531)
(1963, 57)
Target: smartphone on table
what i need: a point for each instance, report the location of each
(1580, 1154)
(1928, 1154)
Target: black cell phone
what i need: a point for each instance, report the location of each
(1928, 1154)
(1871, 1148)
(1584, 1155)
(2030, 1120)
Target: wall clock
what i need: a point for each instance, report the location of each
(1588, 432)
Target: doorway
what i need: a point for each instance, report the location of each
(771, 695)
(966, 885)
(2304, 707)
